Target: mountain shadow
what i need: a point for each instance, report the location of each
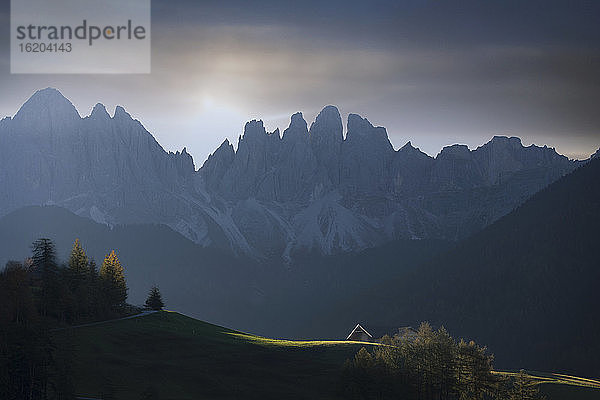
(528, 285)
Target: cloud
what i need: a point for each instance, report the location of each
(435, 73)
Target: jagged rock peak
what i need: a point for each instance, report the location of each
(99, 111)
(455, 150)
(512, 141)
(224, 153)
(187, 157)
(410, 154)
(297, 129)
(329, 112)
(183, 152)
(361, 129)
(297, 118)
(275, 133)
(48, 94)
(120, 113)
(225, 149)
(408, 147)
(254, 129)
(327, 126)
(48, 101)
(596, 154)
(358, 124)
(184, 161)
(225, 145)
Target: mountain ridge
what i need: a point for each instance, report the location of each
(309, 188)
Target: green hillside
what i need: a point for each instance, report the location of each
(563, 387)
(167, 355)
(178, 357)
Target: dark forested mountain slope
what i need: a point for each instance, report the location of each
(528, 285)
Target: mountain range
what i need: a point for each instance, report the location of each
(307, 190)
(497, 242)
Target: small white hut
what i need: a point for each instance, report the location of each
(360, 334)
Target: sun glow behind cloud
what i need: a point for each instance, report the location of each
(425, 71)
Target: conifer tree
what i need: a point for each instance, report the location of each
(46, 277)
(79, 281)
(360, 374)
(78, 260)
(444, 352)
(524, 388)
(93, 269)
(154, 300)
(113, 278)
(474, 366)
(94, 288)
(363, 359)
(44, 254)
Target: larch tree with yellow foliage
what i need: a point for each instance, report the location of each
(113, 279)
(78, 260)
(80, 283)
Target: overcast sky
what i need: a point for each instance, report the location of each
(432, 72)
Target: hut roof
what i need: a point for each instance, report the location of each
(359, 328)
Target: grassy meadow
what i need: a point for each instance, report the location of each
(167, 355)
(173, 356)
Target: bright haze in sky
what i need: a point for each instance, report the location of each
(435, 73)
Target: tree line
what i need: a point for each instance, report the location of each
(41, 294)
(77, 291)
(430, 365)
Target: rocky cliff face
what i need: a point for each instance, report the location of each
(106, 168)
(328, 193)
(308, 189)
